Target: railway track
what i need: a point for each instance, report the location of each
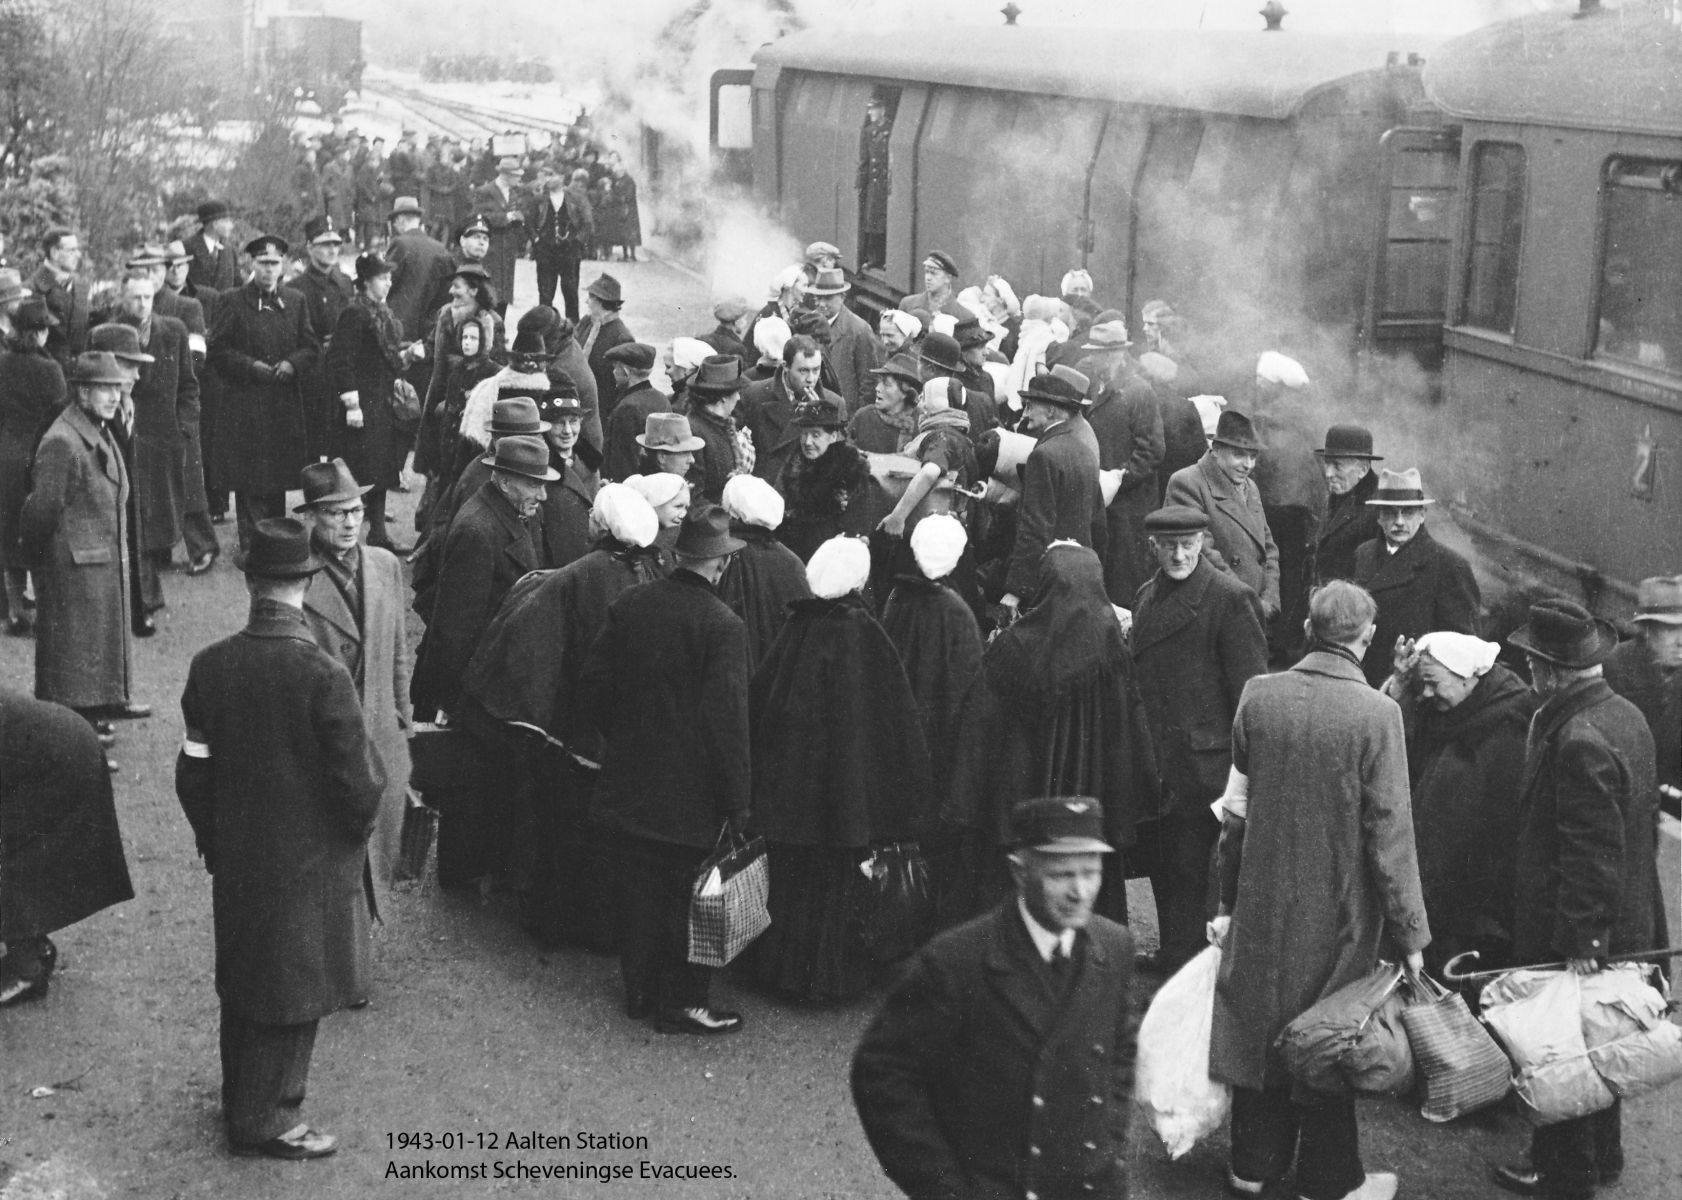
(460, 118)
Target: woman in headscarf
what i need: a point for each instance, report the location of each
(31, 392)
(1467, 718)
(765, 576)
(840, 771)
(365, 361)
(465, 345)
(1054, 712)
(525, 675)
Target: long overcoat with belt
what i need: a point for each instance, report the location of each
(281, 790)
(1422, 588)
(1237, 524)
(373, 645)
(979, 1081)
(259, 442)
(73, 531)
(1585, 859)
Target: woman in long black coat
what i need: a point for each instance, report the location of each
(31, 391)
(365, 360)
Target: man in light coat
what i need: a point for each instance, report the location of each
(1318, 869)
(853, 349)
(356, 612)
(1219, 483)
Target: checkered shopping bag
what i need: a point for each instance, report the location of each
(728, 905)
(1460, 1066)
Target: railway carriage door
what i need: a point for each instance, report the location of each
(1407, 285)
(730, 126)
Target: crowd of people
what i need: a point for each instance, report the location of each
(971, 613)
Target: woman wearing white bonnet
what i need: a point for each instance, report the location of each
(898, 329)
(840, 565)
(770, 335)
(1467, 718)
(683, 358)
(668, 496)
(765, 576)
(625, 515)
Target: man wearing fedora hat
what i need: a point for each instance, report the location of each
(280, 789)
(669, 674)
(853, 348)
(1219, 484)
(421, 267)
(1001, 1064)
(1585, 858)
(1420, 584)
(1060, 492)
(668, 445)
(637, 400)
(1346, 462)
(356, 611)
(600, 331)
(1128, 422)
(215, 261)
(1647, 671)
(714, 392)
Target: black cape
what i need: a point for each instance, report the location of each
(760, 583)
(940, 644)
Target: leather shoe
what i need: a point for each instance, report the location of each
(299, 1143)
(111, 766)
(202, 563)
(1519, 1178)
(145, 627)
(106, 740)
(705, 1021)
(1378, 1185)
(130, 711)
(19, 991)
(638, 1006)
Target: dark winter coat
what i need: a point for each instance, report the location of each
(166, 408)
(1183, 440)
(716, 461)
(508, 236)
(939, 645)
(217, 269)
(976, 1081)
(766, 411)
(487, 549)
(327, 294)
(818, 495)
(838, 753)
(74, 533)
(31, 392)
(1350, 522)
(420, 280)
(67, 300)
(280, 787)
(1586, 855)
(620, 449)
(1128, 425)
(564, 535)
(1195, 643)
(669, 674)
(365, 357)
(854, 352)
(723, 340)
(1632, 674)
(760, 583)
(61, 852)
(259, 443)
(1422, 588)
(1237, 524)
(595, 343)
(1060, 499)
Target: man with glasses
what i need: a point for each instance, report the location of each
(356, 612)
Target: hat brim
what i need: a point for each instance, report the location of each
(1425, 503)
(332, 497)
(1606, 641)
(717, 391)
(132, 356)
(1325, 453)
(716, 547)
(1072, 403)
(549, 473)
(303, 570)
(818, 291)
(1100, 347)
(541, 428)
(688, 446)
(1071, 845)
(1253, 447)
(1657, 618)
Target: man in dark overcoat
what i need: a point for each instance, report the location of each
(1128, 422)
(733, 315)
(215, 261)
(1197, 640)
(421, 267)
(262, 345)
(600, 331)
(501, 204)
(1420, 584)
(872, 184)
(1586, 857)
(1346, 461)
(566, 501)
(327, 293)
(1060, 494)
(669, 673)
(1647, 671)
(281, 790)
(854, 350)
(1314, 880)
(56, 281)
(1001, 1065)
(632, 363)
(1219, 483)
(196, 524)
(767, 406)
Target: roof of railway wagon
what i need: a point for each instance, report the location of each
(1617, 69)
(1266, 75)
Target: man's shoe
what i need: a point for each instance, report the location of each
(1520, 1178)
(638, 1006)
(1378, 1185)
(129, 712)
(202, 563)
(705, 1021)
(111, 765)
(106, 740)
(297, 1143)
(1243, 1187)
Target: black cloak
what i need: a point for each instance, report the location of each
(760, 583)
(939, 644)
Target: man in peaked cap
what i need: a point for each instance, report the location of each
(327, 293)
(1346, 461)
(1219, 485)
(1420, 584)
(1002, 1062)
(1647, 671)
(1060, 492)
(940, 290)
(669, 674)
(734, 315)
(631, 363)
(281, 790)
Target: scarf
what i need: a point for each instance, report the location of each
(387, 332)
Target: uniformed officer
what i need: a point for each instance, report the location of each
(872, 184)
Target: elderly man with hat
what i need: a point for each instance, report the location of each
(853, 348)
(1585, 861)
(600, 331)
(356, 610)
(1061, 498)
(1197, 640)
(669, 674)
(1420, 584)
(728, 448)
(668, 446)
(768, 405)
(1001, 1064)
(281, 790)
(1219, 485)
(734, 316)
(215, 261)
(1647, 671)
(262, 345)
(635, 400)
(1346, 461)
(940, 290)
(421, 267)
(1128, 422)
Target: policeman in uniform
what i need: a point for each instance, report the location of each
(873, 184)
(327, 291)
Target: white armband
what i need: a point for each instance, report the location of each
(194, 749)
(1235, 801)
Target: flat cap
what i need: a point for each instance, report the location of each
(639, 356)
(1176, 519)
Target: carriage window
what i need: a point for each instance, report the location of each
(1640, 303)
(1497, 231)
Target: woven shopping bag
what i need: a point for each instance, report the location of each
(1461, 1068)
(729, 902)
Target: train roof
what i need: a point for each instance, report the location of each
(1618, 69)
(1268, 75)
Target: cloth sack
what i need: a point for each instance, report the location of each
(1171, 1074)
(1460, 1066)
(897, 906)
(1353, 1039)
(1537, 1015)
(729, 903)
